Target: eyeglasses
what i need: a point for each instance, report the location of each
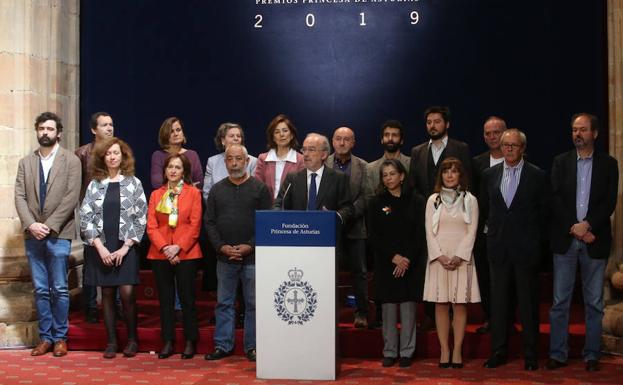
(511, 146)
(311, 149)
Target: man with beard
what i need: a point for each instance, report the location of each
(392, 138)
(46, 194)
(425, 160)
(102, 127)
(584, 189)
(230, 222)
(353, 248)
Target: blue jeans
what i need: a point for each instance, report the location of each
(228, 275)
(592, 272)
(48, 266)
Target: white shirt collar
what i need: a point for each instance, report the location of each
(272, 156)
(444, 142)
(318, 173)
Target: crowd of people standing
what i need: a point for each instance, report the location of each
(444, 228)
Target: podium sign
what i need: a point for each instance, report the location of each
(295, 271)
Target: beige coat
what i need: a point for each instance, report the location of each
(63, 192)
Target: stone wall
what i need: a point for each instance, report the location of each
(39, 71)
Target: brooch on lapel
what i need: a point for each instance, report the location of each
(387, 210)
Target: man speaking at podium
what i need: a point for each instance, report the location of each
(316, 187)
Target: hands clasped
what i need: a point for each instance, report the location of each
(449, 263)
(236, 252)
(115, 258)
(402, 264)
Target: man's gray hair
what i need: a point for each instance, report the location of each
(522, 136)
(244, 149)
(325, 141)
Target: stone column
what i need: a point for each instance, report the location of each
(613, 314)
(39, 64)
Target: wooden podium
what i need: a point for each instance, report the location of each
(295, 267)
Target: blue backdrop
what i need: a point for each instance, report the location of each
(331, 63)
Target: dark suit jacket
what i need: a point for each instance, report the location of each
(418, 169)
(333, 193)
(514, 233)
(479, 164)
(601, 204)
(358, 193)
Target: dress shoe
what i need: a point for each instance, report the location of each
(389, 361)
(592, 366)
(60, 348)
(404, 362)
(92, 316)
(456, 365)
(495, 360)
(251, 355)
(166, 351)
(360, 322)
(217, 355)
(131, 348)
(553, 364)
(110, 351)
(531, 365)
(41, 349)
(189, 350)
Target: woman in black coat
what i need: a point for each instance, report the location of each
(395, 234)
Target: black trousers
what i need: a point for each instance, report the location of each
(167, 276)
(353, 257)
(503, 275)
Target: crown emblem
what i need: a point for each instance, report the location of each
(295, 275)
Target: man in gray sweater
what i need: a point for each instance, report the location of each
(230, 223)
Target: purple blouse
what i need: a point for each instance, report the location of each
(157, 163)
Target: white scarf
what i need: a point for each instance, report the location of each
(456, 202)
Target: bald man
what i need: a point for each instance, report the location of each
(353, 247)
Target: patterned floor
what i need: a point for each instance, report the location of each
(78, 368)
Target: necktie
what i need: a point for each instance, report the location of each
(511, 188)
(311, 201)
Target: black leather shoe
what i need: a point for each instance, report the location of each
(495, 360)
(217, 355)
(531, 365)
(404, 362)
(189, 350)
(456, 365)
(251, 355)
(592, 366)
(389, 361)
(553, 364)
(166, 351)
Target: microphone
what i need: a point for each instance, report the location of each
(283, 199)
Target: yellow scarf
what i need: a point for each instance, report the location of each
(168, 203)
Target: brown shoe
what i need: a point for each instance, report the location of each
(360, 322)
(60, 348)
(41, 349)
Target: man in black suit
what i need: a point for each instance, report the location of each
(354, 242)
(316, 187)
(425, 160)
(513, 197)
(584, 186)
(493, 129)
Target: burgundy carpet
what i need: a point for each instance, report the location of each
(355, 343)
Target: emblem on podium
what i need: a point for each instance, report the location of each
(295, 300)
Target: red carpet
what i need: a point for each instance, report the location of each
(355, 343)
(87, 368)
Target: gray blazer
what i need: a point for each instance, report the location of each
(357, 227)
(63, 192)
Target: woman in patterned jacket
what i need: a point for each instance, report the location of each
(112, 222)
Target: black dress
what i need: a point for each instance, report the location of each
(395, 228)
(98, 274)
